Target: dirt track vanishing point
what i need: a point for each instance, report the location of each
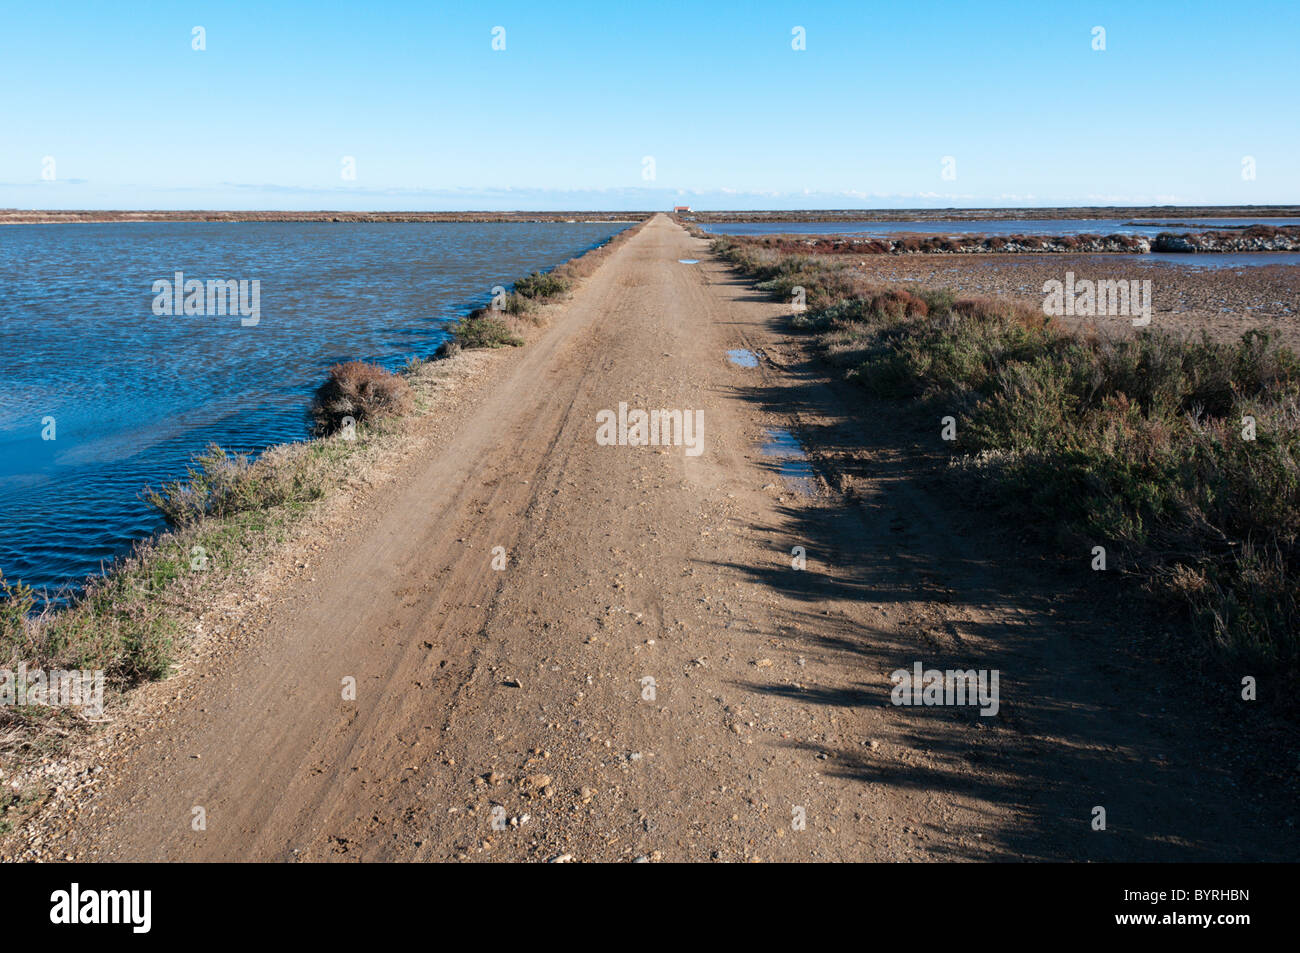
(650, 676)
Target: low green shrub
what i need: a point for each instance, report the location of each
(483, 328)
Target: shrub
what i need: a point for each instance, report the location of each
(939, 300)
(110, 626)
(221, 484)
(898, 304)
(16, 602)
(448, 348)
(997, 309)
(483, 329)
(542, 285)
(364, 392)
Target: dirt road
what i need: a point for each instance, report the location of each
(521, 695)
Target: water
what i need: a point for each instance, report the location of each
(742, 358)
(1148, 228)
(1242, 259)
(792, 461)
(134, 396)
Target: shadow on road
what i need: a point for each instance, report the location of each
(904, 566)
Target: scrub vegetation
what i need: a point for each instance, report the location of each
(1178, 455)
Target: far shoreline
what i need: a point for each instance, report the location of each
(1176, 214)
(206, 216)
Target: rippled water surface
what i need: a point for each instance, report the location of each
(133, 396)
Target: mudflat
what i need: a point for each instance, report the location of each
(1187, 298)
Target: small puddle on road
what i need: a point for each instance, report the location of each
(743, 358)
(688, 261)
(794, 467)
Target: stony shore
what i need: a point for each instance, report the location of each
(1161, 213)
(1259, 238)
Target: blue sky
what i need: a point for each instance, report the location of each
(563, 118)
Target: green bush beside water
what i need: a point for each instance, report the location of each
(483, 329)
(225, 513)
(126, 623)
(542, 285)
(228, 506)
(500, 327)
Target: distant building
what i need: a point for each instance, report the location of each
(679, 209)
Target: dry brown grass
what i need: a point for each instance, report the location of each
(984, 308)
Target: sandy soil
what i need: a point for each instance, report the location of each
(1223, 301)
(521, 694)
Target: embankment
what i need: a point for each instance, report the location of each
(630, 652)
(233, 519)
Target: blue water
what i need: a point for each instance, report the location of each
(1061, 226)
(791, 461)
(1229, 259)
(742, 357)
(134, 396)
